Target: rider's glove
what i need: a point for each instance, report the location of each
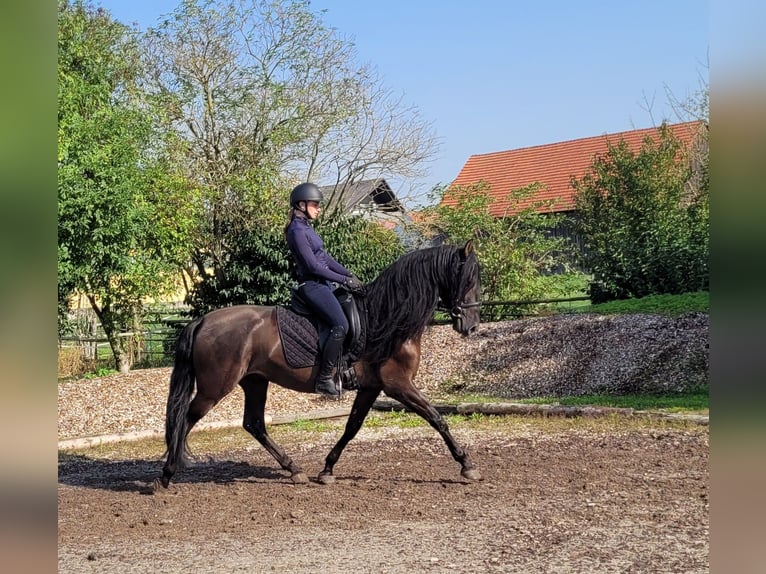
(354, 285)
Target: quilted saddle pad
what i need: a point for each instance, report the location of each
(299, 339)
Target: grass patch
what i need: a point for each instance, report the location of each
(398, 419)
(313, 425)
(571, 307)
(100, 372)
(515, 425)
(476, 421)
(143, 449)
(671, 305)
(219, 442)
(694, 400)
(691, 401)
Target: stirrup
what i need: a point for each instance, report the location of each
(349, 380)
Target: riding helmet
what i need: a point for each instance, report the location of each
(305, 192)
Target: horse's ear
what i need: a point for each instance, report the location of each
(468, 248)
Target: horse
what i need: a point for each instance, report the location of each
(241, 345)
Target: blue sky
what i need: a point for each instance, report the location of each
(493, 75)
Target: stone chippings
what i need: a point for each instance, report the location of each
(567, 355)
(560, 355)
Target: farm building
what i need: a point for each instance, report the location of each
(371, 197)
(552, 165)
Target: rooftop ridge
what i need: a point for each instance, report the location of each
(582, 139)
(552, 165)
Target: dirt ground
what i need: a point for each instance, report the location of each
(628, 499)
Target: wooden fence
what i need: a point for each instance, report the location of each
(156, 341)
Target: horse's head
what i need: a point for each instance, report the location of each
(464, 307)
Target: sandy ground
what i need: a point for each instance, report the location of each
(571, 496)
(631, 498)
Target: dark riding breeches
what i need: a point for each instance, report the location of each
(322, 301)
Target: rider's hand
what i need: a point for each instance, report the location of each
(354, 285)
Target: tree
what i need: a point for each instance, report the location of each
(258, 272)
(260, 267)
(644, 217)
(121, 217)
(363, 246)
(264, 95)
(382, 137)
(517, 252)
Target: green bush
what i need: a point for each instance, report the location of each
(259, 267)
(519, 257)
(257, 272)
(362, 246)
(644, 219)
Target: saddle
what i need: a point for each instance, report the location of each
(303, 335)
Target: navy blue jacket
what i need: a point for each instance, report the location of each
(312, 262)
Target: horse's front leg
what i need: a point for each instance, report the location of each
(398, 385)
(414, 400)
(365, 397)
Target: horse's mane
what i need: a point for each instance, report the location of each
(402, 299)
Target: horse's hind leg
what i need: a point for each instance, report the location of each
(365, 397)
(199, 406)
(255, 389)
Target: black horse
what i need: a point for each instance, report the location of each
(242, 345)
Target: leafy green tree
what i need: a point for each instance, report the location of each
(363, 246)
(260, 266)
(264, 95)
(121, 216)
(644, 218)
(258, 269)
(517, 252)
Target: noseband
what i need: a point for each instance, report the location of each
(458, 310)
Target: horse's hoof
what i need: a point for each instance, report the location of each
(159, 484)
(326, 478)
(471, 474)
(299, 478)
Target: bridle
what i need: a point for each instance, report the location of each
(458, 310)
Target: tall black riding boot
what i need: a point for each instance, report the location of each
(330, 354)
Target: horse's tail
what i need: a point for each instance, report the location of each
(179, 397)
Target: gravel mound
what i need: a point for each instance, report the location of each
(560, 355)
(583, 354)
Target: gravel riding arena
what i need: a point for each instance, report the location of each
(610, 493)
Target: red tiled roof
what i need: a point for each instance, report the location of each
(552, 165)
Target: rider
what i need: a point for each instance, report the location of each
(315, 268)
